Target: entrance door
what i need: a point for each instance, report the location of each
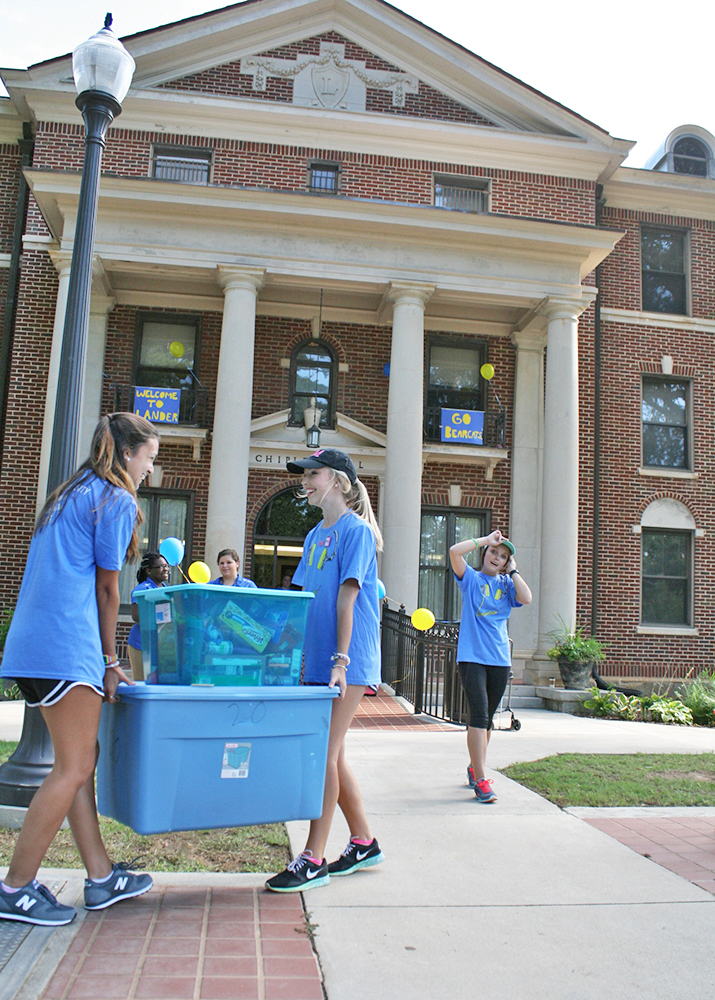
(442, 528)
(278, 537)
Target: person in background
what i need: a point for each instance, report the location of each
(61, 653)
(153, 572)
(286, 581)
(228, 565)
(342, 647)
(483, 655)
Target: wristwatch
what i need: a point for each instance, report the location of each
(513, 572)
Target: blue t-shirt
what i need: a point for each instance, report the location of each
(134, 639)
(486, 605)
(55, 628)
(344, 551)
(240, 581)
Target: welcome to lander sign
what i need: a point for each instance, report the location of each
(160, 406)
(462, 426)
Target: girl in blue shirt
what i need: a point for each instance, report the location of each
(483, 658)
(229, 564)
(61, 653)
(153, 572)
(342, 647)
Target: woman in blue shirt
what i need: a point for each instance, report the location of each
(228, 565)
(61, 653)
(342, 647)
(153, 572)
(488, 596)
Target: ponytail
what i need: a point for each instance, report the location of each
(357, 499)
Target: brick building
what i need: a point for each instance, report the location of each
(328, 214)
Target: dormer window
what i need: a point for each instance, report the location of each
(690, 157)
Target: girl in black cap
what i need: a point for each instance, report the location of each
(342, 647)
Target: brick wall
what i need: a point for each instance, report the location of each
(9, 182)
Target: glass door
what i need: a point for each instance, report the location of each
(442, 528)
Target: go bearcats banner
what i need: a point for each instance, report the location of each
(462, 426)
(161, 406)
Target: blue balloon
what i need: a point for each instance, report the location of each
(172, 549)
(381, 592)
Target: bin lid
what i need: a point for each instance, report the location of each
(159, 593)
(199, 692)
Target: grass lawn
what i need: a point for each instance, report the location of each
(639, 779)
(239, 849)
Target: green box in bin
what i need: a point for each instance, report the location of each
(208, 634)
(196, 758)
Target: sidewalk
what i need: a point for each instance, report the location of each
(519, 897)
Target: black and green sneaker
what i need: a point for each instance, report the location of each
(357, 856)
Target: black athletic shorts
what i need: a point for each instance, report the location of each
(484, 687)
(48, 691)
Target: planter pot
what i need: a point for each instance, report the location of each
(576, 674)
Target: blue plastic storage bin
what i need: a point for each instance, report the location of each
(223, 636)
(185, 758)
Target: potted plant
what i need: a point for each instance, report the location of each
(576, 654)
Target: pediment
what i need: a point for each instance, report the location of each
(347, 433)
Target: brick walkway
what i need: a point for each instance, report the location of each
(203, 944)
(681, 844)
(385, 712)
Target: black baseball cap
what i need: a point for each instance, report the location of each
(329, 458)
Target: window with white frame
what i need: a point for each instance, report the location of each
(667, 533)
(665, 420)
(461, 194)
(313, 376)
(664, 285)
(690, 156)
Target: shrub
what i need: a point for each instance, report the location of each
(664, 709)
(571, 644)
(699, 697)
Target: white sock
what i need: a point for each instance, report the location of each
(98, 881)
(6, 888)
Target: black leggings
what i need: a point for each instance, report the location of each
(484, 687)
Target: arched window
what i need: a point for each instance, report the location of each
(281, 527)
(667, 532)
(690, 156)
(313, 373)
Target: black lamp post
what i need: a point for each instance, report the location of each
(103, 71)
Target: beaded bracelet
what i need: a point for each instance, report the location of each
(341, 656)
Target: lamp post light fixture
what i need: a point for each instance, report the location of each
(311, 419)
(103, 71)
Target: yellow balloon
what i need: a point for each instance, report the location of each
(176, 348)
(422, 619)
(487, 372)
(199, 572)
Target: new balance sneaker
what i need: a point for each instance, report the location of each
(303, 872)
(121, 884)
(357, 856)
(483, 790)
(34, 904)
(472, 781)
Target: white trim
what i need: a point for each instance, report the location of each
(667, 473)
(660, 321)
(5, 259)
(666, 630)
(641, 190)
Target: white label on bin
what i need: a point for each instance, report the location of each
(236, 759)
(163, 614)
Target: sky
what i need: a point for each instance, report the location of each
(636, 69)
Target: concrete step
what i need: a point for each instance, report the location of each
(522, 701)
(523, 690)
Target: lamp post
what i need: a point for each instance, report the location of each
(311, 419)
(103, 71)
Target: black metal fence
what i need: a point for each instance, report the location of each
(421, 667)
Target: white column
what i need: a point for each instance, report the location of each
(62, 261)
(559, 519)
(526, 466)
(231, 437)
(403, 454)
(99, 309)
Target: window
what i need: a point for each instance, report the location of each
(665, 412)
(667, 578)
(461, 194)
(663, 260)
(281, 527)
(324, 178)
(166, 357)
(441, 529)
(167, 514)
(690, 157)
(452, 380)
(181, 163)
(313, 368)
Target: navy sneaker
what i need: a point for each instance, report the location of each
(121, 884)
(303, 872)
(472, 781)
(483, 791)
(357, 856)
(34, 904)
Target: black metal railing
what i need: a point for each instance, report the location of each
(192, 409)
(421, 667)
(494, 426)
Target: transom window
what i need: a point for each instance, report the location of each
(313, 375)
(324, 178)
(182, 164)
(453, 380)
(461, 194)
(665, 417)
(667, 577)
(663, 260)
(690, 157)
